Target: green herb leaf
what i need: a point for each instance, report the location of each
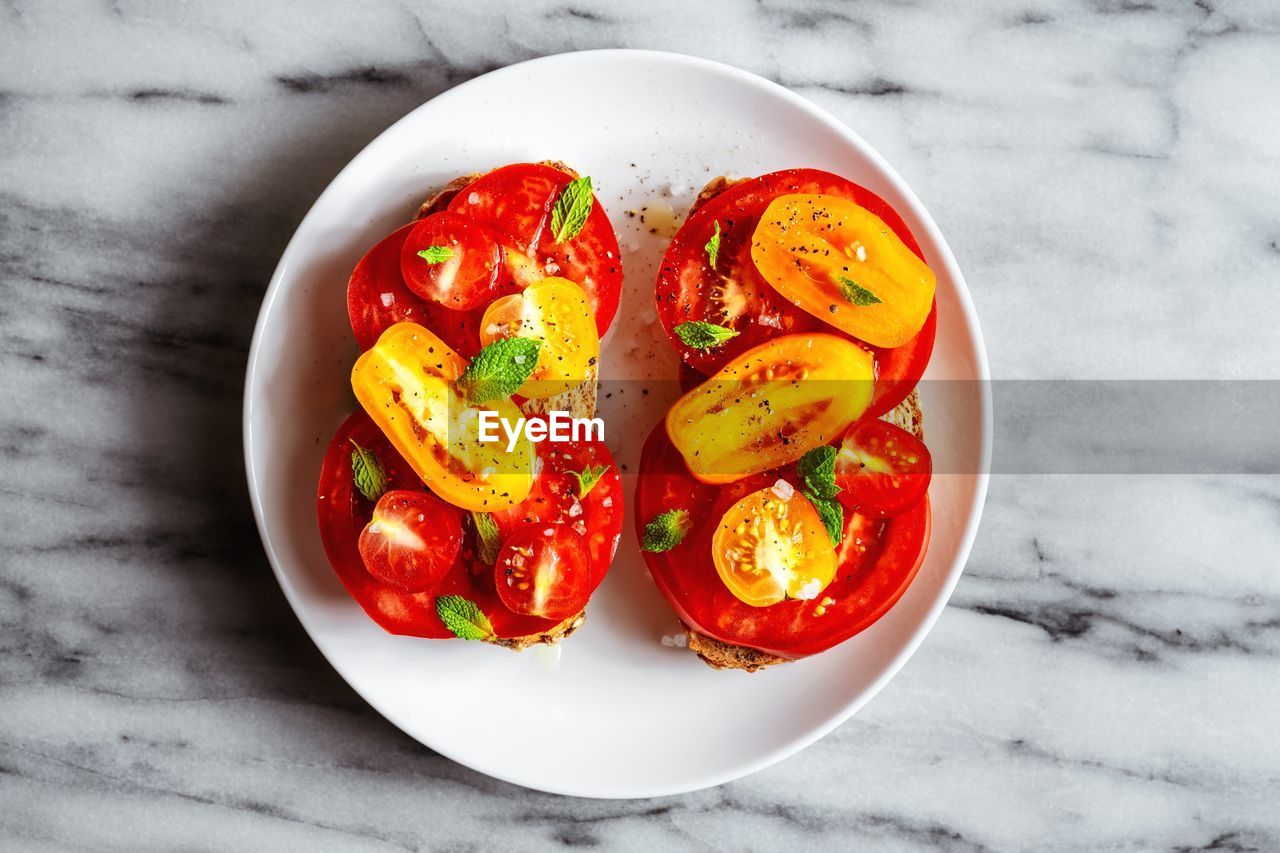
(832, 515)
(367, 473)
(572, 209)
(436, 254)
(588, 477)
(499, 369)
(713, 246)
(856, 293)
(666, 531)
(817, 469)
(487, 540)
(702, 335)
(463, 618)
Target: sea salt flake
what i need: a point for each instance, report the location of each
(387, 299)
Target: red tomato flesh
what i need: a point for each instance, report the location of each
(734, 294)
(542, 571)
(513, 205)
(468, 277)
(343, 513)
(412, 539)
(877, 561)
(881, 469)
(378, 298)
(515, 202)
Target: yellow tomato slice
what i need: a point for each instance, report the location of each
(771, 405)
(557, 312)
(407, 384)
(840, 262)
(770, 548)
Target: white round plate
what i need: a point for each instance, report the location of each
(618, 713)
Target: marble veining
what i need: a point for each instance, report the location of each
(1108, 673)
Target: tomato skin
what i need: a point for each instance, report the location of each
(514, 202)
(898, 370)
(412, 540)
(685, 280)
(542, 570)
(877, 560)
(881, 469)
(378, 298)
(467, 280)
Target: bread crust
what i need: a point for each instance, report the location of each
(718, 654)
(581, 402)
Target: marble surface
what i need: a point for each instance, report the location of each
(1107, 676)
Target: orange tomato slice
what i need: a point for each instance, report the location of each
(771, 546)
(841, 263)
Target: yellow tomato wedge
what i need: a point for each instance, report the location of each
(772, 546)
(557, 312)
(407, 384)
(840, 262)
(771, 405)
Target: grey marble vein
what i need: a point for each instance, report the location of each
(1108, 674)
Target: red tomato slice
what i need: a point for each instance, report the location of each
(378, 298)
(554, 499)
(882, 469)
(412, 539)
(343, 512)
(466, 274)
(514, 205)
(515, 202)
(735, 295)
(542, 571)
(877, 561)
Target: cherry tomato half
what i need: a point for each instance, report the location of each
(771, 546)
(412, 540)
(882, 469)
(452, 260)
(542, 570)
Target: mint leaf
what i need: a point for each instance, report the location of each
(487, 540)
(571, 209)
(856, 293)
(367, 473)
(499, 369)
(666, 531)
(702, 335)
(832, 515)
(817, 470)
(713, 246)
(436, 254)
(463, 618)
(588, 477)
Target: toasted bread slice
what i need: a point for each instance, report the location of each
(580, 402)
(721, 655)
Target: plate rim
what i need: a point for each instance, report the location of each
(692, 782)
